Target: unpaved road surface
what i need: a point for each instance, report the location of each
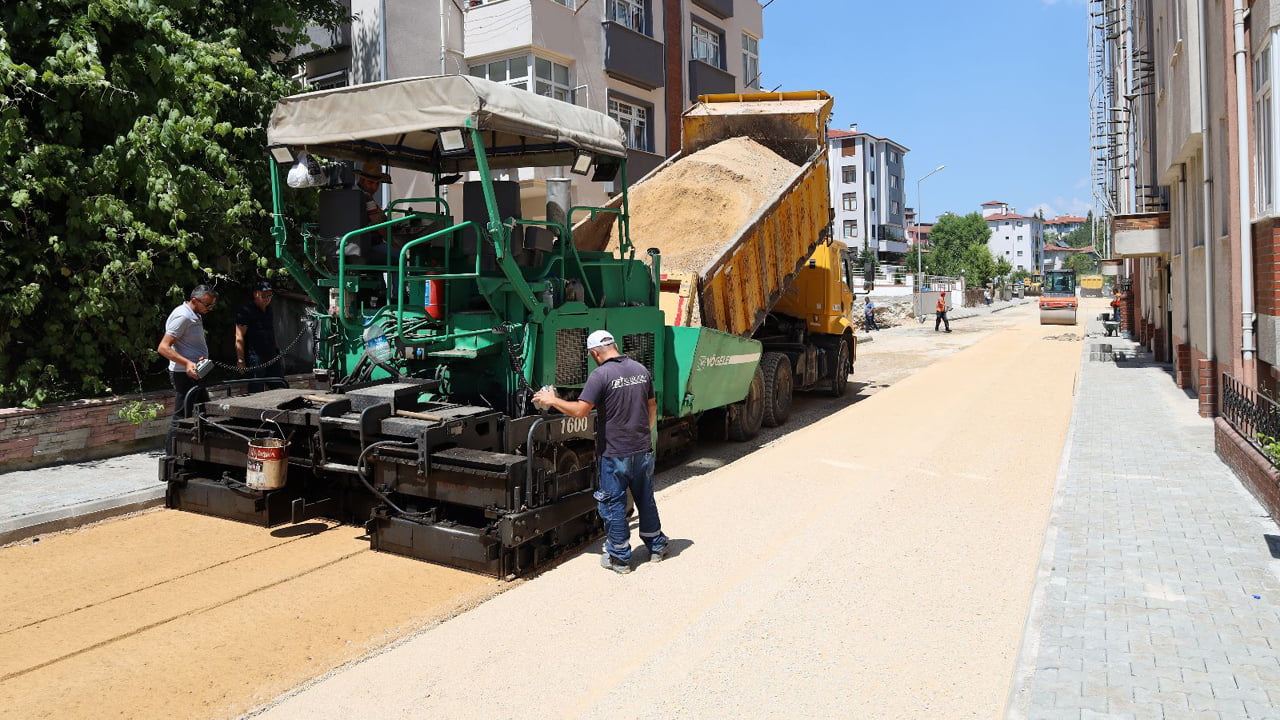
(173, 615)
(874, 562)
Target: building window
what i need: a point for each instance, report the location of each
(628, 13)
(1020, 267)
(328, 81)
(893, 207)
(750, 61)
(1019, 253)
(849, 201)
(1019, 238)
(552, 80)
(849, 174)
(850, 228)
(511, 71)
(706, 45)
(567, 3)
(893, 181)
(871, 175)
(873, 204)
(1264, 131)
(634, 120)
(873, 227)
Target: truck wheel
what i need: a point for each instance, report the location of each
(778, 388)
(745, 417)
(840, 380)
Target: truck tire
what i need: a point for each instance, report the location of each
(745, 417)
(778, 388)
(841, 371)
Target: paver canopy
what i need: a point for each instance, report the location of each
(398, 122)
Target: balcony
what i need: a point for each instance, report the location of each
(499, 27)
(707, 79)
(1140, 235)
(633, 57)
(720, 8)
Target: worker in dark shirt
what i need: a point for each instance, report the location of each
(257, 354)
(622, 389)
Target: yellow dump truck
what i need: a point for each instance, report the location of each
(779, 277)
(1091, 286)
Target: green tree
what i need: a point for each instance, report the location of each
(1081, 236)
(133, 167)
(958, 247)
(1084, 263)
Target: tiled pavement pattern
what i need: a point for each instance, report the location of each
(1158, 593)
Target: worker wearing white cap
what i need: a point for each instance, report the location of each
(622, 389)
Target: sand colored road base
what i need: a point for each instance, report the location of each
(168, 614)
(875, 564)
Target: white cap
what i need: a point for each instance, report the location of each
(599, 338)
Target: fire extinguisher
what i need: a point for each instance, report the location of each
(434, 302)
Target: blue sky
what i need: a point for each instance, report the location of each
(997, 90)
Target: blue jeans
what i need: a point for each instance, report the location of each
(617, 475)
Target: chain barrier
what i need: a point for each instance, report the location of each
(306, 330)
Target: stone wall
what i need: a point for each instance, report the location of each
(86, 429)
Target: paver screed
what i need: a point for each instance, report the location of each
(1157, 594)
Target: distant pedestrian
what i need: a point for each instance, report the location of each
(622, 389)
(940, 313)
(869, 317)
(257, 354)
(986, 296)
(184, 345)
(1115, 307)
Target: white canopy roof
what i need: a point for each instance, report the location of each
(396, 122)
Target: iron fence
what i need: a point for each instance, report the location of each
(1252, 414)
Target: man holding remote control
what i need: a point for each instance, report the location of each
(184, 346)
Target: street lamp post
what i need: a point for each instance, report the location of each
(919, 222)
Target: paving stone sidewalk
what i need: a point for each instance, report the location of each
(49, 499)
(1159, 588)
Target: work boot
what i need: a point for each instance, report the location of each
(658, 555)
(610, 562)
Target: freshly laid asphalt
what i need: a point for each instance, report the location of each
(1158, 592)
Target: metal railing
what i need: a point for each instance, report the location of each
(1252, 414)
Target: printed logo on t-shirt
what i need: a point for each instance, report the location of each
(628, 381)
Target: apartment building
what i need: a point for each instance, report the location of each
(917, 232)
(1019, 239)
(868, 192)
(1185, 168)
(641, 61)
(1062, 225)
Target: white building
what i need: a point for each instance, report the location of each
(867, 191)
(1019, 239)
(641, 61)
(1062, 225)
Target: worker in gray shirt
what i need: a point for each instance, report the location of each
(622, 389)
(184, 345)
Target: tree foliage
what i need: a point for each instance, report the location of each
(1081, 236)
(132, 167)
(1084, 263)
(958, 247)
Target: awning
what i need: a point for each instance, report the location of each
(395, 122)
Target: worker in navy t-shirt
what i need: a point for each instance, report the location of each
(622, 391)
